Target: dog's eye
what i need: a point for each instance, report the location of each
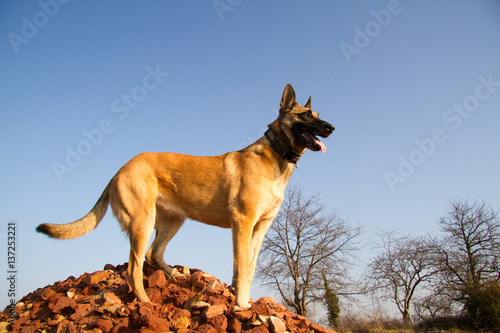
(307, 114)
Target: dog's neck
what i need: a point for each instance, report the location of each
(280, 147)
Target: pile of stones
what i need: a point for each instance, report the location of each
(103, 302)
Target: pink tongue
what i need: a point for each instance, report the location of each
(319, 143)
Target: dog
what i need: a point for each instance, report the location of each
(242, 190)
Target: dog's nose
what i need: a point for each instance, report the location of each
(329, 128)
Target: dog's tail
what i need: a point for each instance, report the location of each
(82, 226)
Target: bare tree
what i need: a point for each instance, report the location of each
(433, 306)
(469, 251)
(404, 264)
(306, 244)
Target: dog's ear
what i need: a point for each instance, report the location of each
(288, 99)
(308, 104)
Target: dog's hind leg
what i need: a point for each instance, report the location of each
(167, 225)
(140, 232)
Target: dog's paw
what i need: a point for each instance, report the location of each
(242, 307)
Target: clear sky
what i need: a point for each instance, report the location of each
(412, 87)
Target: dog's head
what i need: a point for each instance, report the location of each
(299, 125)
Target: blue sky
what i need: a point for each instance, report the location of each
(412, 87)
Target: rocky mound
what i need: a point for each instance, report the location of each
(102, 302)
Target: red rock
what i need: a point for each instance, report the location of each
(63, 302)
(215, 286)
(279, 307)
(121, 325)
(303, 322)
(319, 329)
(53, 322)
(258, 329)
(111, 298)
(105, 324)
(48, 294)
(154, 323)
(196, 321)
(234, 326)
(243, 315)
(181, 313)
(266, 300)
(144, 310)
(104, 302)
(277, 325)
(200, 279)
(206, 328)
(81, 310)
(154, 295)
(213, 311)
(218, 322)
(97, 277)
(261, 308)
(157, 280)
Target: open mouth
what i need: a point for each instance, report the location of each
(311, 142)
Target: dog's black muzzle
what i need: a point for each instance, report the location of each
(305, 134)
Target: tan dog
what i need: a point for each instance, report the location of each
(241, 190)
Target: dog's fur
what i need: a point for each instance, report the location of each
(241, 190)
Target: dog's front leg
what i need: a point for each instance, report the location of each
(258, 234)
(242, 234)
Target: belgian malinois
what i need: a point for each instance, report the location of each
(242, 190)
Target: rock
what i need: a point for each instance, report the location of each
(213, 311)
(154, 323)
(234, 325)
(319, 329)
(277, 325)
(181, 323)
(111, 298)
(3, 326)
(218, 322)
(200, 305)
(157, 280)
(261, 308)
(105, 324)
(109, 267)
(206, 328)
(258, 329)
(243, 315)
(81, 310)
(102, 301)
(63, 302)
(266, 300)
(97, 277)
